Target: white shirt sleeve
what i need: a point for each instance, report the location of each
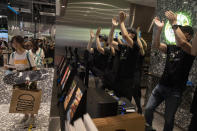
(31, 59)
(42, 53)
(11, 60)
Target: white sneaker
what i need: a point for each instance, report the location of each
(25, 118)
(30, 123)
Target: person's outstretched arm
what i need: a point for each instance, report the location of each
(142, 52)
(144, 43)
(89, 46)
(111, 41)
(180, 38)
(194, 46)
(156, 39)
(124, 32)
(98, 44)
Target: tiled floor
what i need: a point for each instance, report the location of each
(158, 123)
(8, 120)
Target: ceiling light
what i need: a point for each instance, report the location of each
(185, 2)
(63, 6)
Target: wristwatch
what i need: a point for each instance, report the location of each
(175, 26)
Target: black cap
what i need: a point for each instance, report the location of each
(187, 29)
(132, 31)
(104, 37)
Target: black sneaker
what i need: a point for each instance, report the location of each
(149, 128)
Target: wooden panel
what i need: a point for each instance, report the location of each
(143, 16)
(127, 122)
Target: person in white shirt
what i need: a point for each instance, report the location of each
(38, 54)
(22, 60)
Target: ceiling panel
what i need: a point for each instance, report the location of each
(79, 16)
(90, 14)
(150, 3)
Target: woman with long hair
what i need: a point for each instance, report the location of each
(38, 53)
(22, 60)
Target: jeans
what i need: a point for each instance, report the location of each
(172, 100)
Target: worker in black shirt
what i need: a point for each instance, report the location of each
(126, 57)
(138, 71)
(101, 54)
(179, 61)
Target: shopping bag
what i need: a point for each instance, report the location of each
(25, 101)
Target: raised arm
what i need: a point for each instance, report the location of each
(89, 46)
(98, 44)
(142, 52)
(111, 41)
(180, 38)
(144, 43)
(194, 46)
(156, 39)
(124, 32)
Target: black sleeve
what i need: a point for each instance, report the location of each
(107, 51)
(136, 46)
(120, 46)
(170, 48)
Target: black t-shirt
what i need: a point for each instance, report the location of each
(128, 60)
(177, 68)
(101, 60)
(140, 62)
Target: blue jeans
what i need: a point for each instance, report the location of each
(172, 100)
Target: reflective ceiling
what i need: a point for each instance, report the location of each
(90, 13)
(79, 16)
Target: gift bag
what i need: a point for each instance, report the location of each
(25, 101)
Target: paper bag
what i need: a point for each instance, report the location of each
(25, 101)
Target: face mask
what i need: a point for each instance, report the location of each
(102, 44)
(140, 34)
(124, 41)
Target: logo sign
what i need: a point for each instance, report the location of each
(182, 19)
(25, 102)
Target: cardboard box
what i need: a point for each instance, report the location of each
(25, 101)
(127, 122)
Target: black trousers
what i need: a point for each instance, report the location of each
(193, 125)
(137, 90)
(129, 87)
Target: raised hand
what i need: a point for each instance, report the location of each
(158, 23)
(92, 34)
(98, 31)
(114, 21)
(138, 30)
(171, 16)
(122, 16)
